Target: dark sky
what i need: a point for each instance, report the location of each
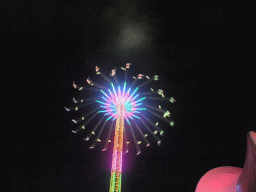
(203, 52)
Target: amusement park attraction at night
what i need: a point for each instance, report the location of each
(123, 107)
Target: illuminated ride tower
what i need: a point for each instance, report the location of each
(116, 170)
(119, 105)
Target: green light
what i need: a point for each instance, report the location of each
(124, 87)
(120, 183)
(114, 89)
(108, 118)
(128, 121)
(136, 116)
(140, 99)
(141, 109)
(128, 106)
(112, 178)
(133, 92)
(102, 111)
(100, 102)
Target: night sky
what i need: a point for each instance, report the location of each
(203, 52)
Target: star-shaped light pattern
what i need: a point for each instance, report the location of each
(134, 103)
(113, 99)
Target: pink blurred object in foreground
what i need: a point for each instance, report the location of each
(233, 179)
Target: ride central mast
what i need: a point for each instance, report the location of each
(116, 170)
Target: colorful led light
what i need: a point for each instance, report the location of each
(112, 100)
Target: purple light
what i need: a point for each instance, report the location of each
(113, 99)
